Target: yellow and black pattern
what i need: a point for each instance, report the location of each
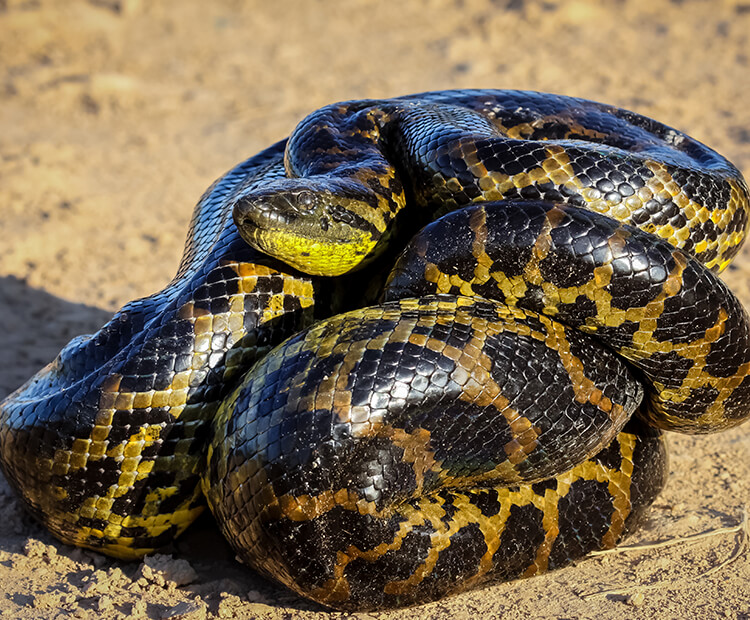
(377, 459)
(351, 166)
(605, 221)
(460, 431)
(655, 305)
(105, 444)
(395, 422)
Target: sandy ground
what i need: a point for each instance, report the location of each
(116, 115)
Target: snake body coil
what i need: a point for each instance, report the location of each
(471, 427)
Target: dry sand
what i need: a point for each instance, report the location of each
(116, 115)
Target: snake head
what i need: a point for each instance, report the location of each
(320, 228)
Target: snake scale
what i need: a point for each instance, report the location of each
(516, 275)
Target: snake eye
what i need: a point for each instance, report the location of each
(305, 200)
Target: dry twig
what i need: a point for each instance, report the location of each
(743, 527)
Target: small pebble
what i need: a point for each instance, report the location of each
(161, 569)
(187, 610)
(105, 604)
(636, 599)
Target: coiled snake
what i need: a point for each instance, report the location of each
(470, 426)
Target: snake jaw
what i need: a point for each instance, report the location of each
(305, 228)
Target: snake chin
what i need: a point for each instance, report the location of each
(297, 245)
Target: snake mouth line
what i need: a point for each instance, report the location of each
(257, 226)
(260, 214)
(269, 222)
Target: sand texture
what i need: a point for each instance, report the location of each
(115, 115)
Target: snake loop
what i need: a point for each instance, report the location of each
(494, 415)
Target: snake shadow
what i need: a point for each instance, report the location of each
(35, 326)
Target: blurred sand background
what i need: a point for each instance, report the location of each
(115, 115)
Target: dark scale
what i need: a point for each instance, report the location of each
(702, 397)
(530, 192)
(540, 488)
(595, 168)
(741, 394)
(519, 540)
(571, 196)
(699, 189)
(611, 455)
(311, 561)
(127, 422)
(640, 274)
(458, 561)
(671, 367)
(580, 311)
(695, 304)
(662, 210)
(106, 474)
(486, 500)
(135, 500)
(369, 579)
(574, 509)
(557, 269)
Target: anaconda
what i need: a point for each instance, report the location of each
(469, 427)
